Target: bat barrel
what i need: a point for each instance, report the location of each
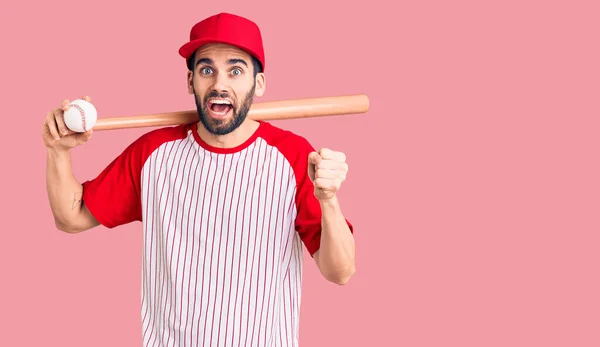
(315, 107)
(271, 110)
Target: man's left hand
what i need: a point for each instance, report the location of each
(327, 170)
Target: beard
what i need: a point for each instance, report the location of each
(223, 126)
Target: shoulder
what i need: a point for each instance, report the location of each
(292, 146)
(160, 136)
(148, 142)
(285, 140)
(143, 146)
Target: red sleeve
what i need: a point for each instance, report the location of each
(113, 197)
(308, 219)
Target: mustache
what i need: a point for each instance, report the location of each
(215, 94)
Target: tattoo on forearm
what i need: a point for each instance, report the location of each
(76, 200)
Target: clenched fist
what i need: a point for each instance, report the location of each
(327, 170)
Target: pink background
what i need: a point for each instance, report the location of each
(474, 180)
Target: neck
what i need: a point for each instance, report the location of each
(233, 139)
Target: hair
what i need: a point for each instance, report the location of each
(255, 63)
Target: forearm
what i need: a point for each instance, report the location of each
(336, 254)
(64, 191)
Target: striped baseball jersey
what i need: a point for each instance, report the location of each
(223, 233)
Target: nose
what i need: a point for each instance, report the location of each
(221, 82)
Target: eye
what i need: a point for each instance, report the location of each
(236, 72)
(205, 70)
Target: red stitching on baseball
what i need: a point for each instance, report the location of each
(80, 109)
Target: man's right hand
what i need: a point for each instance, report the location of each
(55, 133)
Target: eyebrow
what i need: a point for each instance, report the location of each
(233, 61)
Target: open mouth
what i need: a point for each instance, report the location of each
(219, 108)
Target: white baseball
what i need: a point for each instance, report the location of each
(81, 116)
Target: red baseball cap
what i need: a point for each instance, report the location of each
(229, 29)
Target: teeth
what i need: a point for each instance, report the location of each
(222, 102)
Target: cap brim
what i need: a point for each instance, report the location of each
(189, 48)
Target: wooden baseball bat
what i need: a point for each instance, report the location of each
(271, 110)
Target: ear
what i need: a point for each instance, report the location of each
(260, 84)
(190, 82)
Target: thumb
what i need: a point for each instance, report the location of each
(314, 158)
